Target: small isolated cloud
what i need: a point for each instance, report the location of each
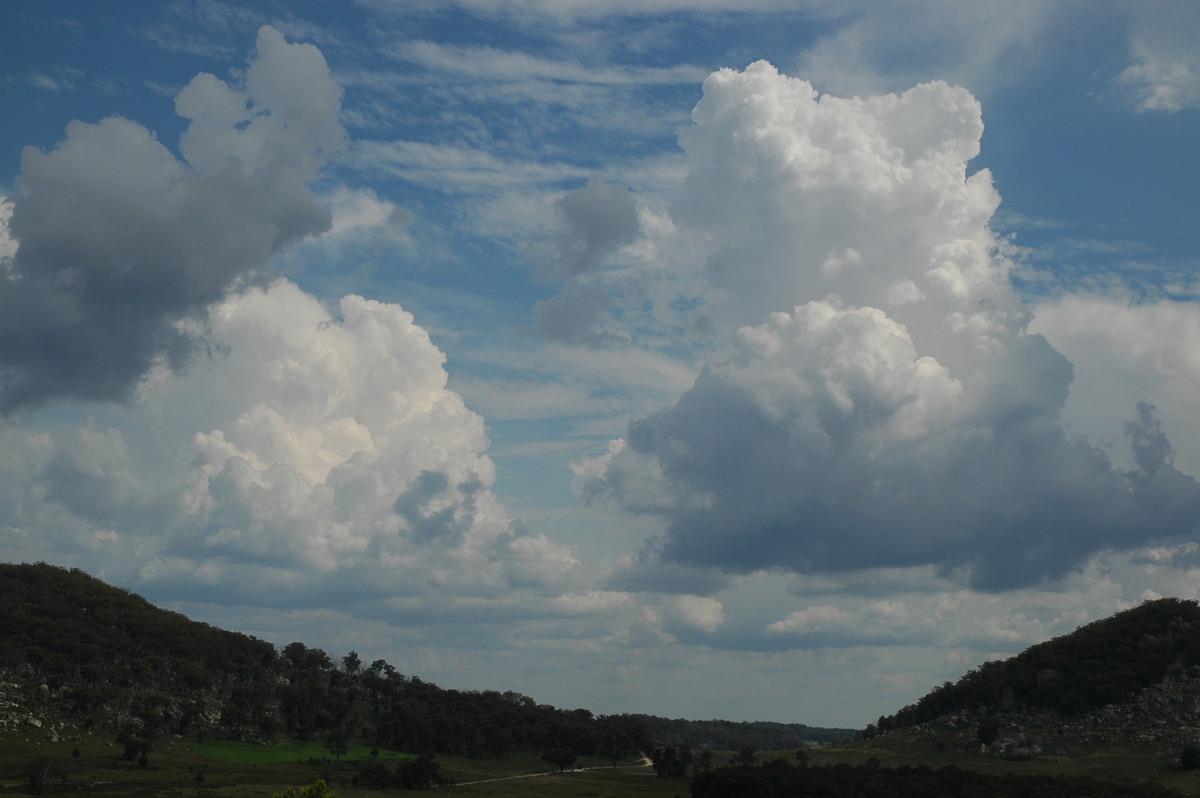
(597, 221)
(118, 239)
(882, 622)
(883, 404)
(599, 218)
(688, 612)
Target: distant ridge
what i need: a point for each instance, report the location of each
(726, 735)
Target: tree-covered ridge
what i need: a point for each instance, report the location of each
(109, 657)
(69, 627)
(1100, 663)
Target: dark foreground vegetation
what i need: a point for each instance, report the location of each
(782, 779)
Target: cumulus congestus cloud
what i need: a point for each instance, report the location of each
(118, 240)
(883, 403)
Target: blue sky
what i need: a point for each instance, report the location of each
(773, 360)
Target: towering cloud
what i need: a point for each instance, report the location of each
(883, 403)
(119, 239)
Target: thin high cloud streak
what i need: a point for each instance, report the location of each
(1165, 74)
(892, 409)
(118, 240)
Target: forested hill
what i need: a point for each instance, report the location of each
(108, 658)
(68, 627)
(1104, 662)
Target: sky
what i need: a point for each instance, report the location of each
(772, 360)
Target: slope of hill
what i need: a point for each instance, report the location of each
(1098, 664)
(1132, 680)
(64, 626)
(103, 656)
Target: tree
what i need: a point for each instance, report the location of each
(335, 741)
(351, 663)
(745, 757)
(135, 742)
(318, 789)
(39, 776)
(559, 758)
(420, 773)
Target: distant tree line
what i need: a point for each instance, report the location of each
(726, 735)
(1097, 664)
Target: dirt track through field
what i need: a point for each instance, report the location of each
(645, 763)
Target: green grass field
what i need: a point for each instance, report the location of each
(294, 751)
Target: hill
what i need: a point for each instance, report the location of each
(1111, 709)
(1132, 678)
(104, 657)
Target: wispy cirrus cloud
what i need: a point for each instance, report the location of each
(492, 64)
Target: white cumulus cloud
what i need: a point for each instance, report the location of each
(309, 455)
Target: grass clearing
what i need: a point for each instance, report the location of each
(294, 751)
